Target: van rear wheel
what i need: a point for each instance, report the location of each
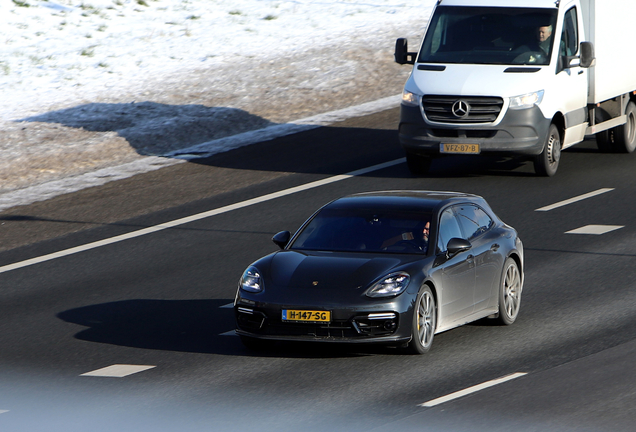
(625, 135)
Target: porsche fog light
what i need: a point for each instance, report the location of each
(251, 280)
(390, 285)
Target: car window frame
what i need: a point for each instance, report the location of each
(459, 216)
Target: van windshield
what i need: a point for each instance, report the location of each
(489, 35)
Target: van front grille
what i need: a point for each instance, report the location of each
(461, 109)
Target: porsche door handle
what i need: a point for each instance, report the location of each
(494, 247)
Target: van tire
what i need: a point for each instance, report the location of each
(547, 163)
(625, 135)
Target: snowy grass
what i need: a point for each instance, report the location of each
(49, 49)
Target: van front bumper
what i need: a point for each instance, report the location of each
(520, 132)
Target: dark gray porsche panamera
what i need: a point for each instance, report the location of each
(391, 267)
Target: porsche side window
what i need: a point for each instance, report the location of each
(448, 229)
(474, 220)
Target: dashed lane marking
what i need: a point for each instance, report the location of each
(199, 216)
(575, 199)
(227, 306)
(595, 229)
(4, 411)
(118, 370)
(229, 333)
(471, 390)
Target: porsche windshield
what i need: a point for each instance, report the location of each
(365, 230)
(489, 35)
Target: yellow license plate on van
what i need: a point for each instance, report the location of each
(292, 315)
(460, 148)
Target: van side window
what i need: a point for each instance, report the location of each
(570, 36)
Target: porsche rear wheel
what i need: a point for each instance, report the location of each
(424, 322)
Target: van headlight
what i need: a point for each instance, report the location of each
(526, 100)
(410, 99)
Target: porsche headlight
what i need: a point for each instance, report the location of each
(251, 281)
(390, 285)
(526, 100)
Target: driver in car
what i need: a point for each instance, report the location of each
(418, 238)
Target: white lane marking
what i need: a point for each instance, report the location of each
(471, 390)
(575, 199)
(595, 229)
(196, 217)
(227, 306)
(118, 370)
(4, 411)
(229, 333)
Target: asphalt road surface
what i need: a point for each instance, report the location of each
(135, 333)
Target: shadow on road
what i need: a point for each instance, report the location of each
(196, 326)
(153, 129)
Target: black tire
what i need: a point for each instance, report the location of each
(625, 135)
(547, 163)
(418, 164)
(255, 344)
(604, 139)
(510, 288)
(424, 322)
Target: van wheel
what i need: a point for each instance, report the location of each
(604, 139)
(625, 135)
(418, 165)
(547, 163)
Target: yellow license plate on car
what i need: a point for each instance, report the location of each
(306, 316)
(460, 148)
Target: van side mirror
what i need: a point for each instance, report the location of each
(281, 239)
(402, 54)
(587, 55)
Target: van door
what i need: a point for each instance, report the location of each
(572, 80)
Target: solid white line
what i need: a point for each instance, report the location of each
(470, 390)
(199, 216)
(575, 199)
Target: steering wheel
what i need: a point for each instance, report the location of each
(404, 245)
(530, 57)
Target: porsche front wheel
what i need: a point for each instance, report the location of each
(424, 322)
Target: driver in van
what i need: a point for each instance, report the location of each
(544, 37)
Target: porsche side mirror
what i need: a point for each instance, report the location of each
(457, 245)
(281, 239)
